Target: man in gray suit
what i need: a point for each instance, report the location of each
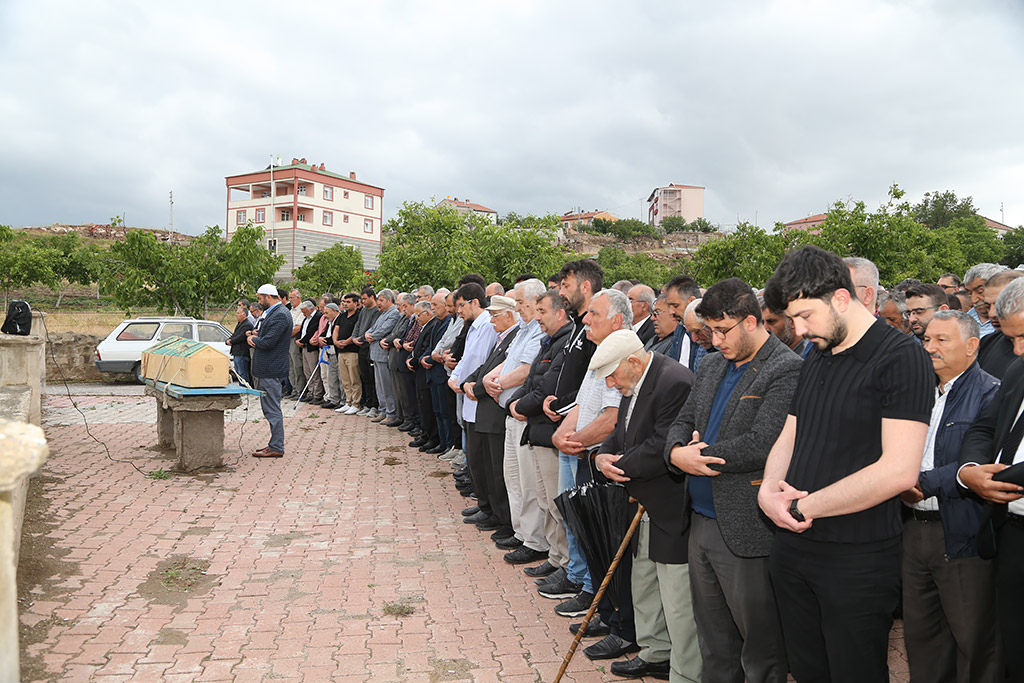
(721, 440)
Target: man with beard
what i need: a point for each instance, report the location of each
(923, 300)
(781, 325)
(270, 364)
(700, 335)
(851, 444)
(664, 327)
(995, 353)
(975, 280)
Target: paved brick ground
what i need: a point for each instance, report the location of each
(305, 554)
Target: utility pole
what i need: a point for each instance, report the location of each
(170, 217)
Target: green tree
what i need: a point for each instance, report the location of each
(672, 224)
(75, 263)
(187, 278)
(702, 224)
(939, 209)
(1013, 243)
(750, 253)
(618, 265)
(529, 221)
(23, 262)
(435, 245)
(336, 269)
(623, 229)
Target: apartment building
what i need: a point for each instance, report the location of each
(578, 219)
(304, 208)
(466, 207)
(675, 200)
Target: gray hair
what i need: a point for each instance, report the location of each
(424, 306)
(968, 326)
(895, 296)
(532, 288)
(428, 288)
(983, 271)
(622, 286)
(692, 308)
(867, 271)
(387, 294)
(619, 304)
(307, 304)
(646, 295)
(409, 298)
(442, 290)
(1011, 300)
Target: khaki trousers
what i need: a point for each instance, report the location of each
(348, 368)
(545, 467)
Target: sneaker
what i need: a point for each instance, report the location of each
(542, 570)
(556, 575)
(525, 555)
(352, 410)
(373, 413)
(560, 589)
(576, 606)
(342, 409)
(363, 412)
(459, 461)
(447, 455)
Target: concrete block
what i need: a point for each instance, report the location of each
(199, 438)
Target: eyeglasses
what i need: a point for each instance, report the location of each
(917, 312)
(721, 333)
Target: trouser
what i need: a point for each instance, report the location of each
(270, 402)
(439, 404)
(578, 573)
(348, 368)
(366, 378)
(410, 391)
(545, 462)
(241, 364)
(296, 372)
(385, 392)
(309, 364)
(401, 398)
(477, 471)
(1010, 589)
(520, 475)
(454, 410)
(428, 425)
(836, 602)
(663, 609)
(733, 603)
(497, 494)
(949, 610)
(331, 380)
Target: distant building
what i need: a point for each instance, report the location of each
(575, 220)
(686, 201)
(999, 228)
(466, 207)
(307, 210)
(809, 224)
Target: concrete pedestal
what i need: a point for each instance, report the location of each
(194, 425)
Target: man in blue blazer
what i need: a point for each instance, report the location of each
(270, 364)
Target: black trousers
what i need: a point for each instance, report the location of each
(426, 410)
(477, 471)
(1010, 590)
(453, 411)
(366, 378)
(409, 381)
(836, 602)
(494, 470)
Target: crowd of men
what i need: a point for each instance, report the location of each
(809, 456)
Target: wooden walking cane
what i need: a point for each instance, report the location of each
(600, 591)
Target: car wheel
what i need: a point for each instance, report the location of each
(137, 373)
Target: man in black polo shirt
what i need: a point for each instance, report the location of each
(851, 444)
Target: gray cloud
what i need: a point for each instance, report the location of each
(777, 108)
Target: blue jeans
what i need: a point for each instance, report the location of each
(242, 367)
(578, 571)
(270, 401)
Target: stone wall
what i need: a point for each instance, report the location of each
(76, 356)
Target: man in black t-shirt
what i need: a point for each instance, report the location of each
(851, 444)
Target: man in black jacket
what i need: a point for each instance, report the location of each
(995, 354)
(314, 395)
(239, 345)
(654, 388)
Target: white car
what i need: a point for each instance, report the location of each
(122, 350)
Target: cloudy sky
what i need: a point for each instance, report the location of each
(777, 108)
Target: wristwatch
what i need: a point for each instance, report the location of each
(794, 511)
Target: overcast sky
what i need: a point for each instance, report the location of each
(777, 108)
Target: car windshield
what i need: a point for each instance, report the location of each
(138, 332)
(183, 330)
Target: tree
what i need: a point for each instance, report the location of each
(618, 265)
(530, 222)
(672, 224)
(750, 253)
(623, 229)
(939, 209)
(187, 278)
(336, 269)
(701, 224)
(23, 262)
(435, 245)
(74, 264)
(1013, 242)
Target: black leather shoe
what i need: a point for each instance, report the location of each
(477, 516)
(438, 450)
(510, 543)
(429, 445)
(610, 647)
(416, 432)
(393, 422)
(638, 668)
(330, 405)
(406, 427)
(471, 511)
(524, 555)
(489, 524)
(595, 629)
(464, 485)
(416, 443)
(541, 570)
(467, 493)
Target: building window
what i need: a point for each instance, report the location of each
(261, 215)
(328, 193)
(265, 193)
(344, 194)
(368, 201)
(240, 218)
(367, 225)
(328, 218)
(566, 225)
(300, 217)
(344, 218)
(286, 214)
(272, 245)
(302, 190)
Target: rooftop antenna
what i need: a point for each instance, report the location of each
(170, 218)
(1002, 214)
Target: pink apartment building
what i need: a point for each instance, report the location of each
(675, 200)
(304, 209)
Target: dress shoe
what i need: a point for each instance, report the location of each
(490, 524)
(305, 399)
(428, 445)
(464, 485)
(329, 405)
(472, 510)
(406, 427)
(524, 555)
(477, 516)
(610, 647)
(540, 570)
(554, 576)
(267, 453)
(416, 443)
(379, 417)
(638, 668)
(510, 543)
(468, 493)
(393, 422)
(595, 629)
(415, 431)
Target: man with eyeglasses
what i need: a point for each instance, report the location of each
(974, 282)
(641, 300)
(995, 353)
(922, 302)
(664, 326)
(720, 441)
(950, 283)
(865, 280)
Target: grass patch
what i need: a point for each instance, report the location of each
(399, 608)
(391, 461)
(184, 574)
(159, 474)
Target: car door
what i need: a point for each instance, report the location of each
(213, 335)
